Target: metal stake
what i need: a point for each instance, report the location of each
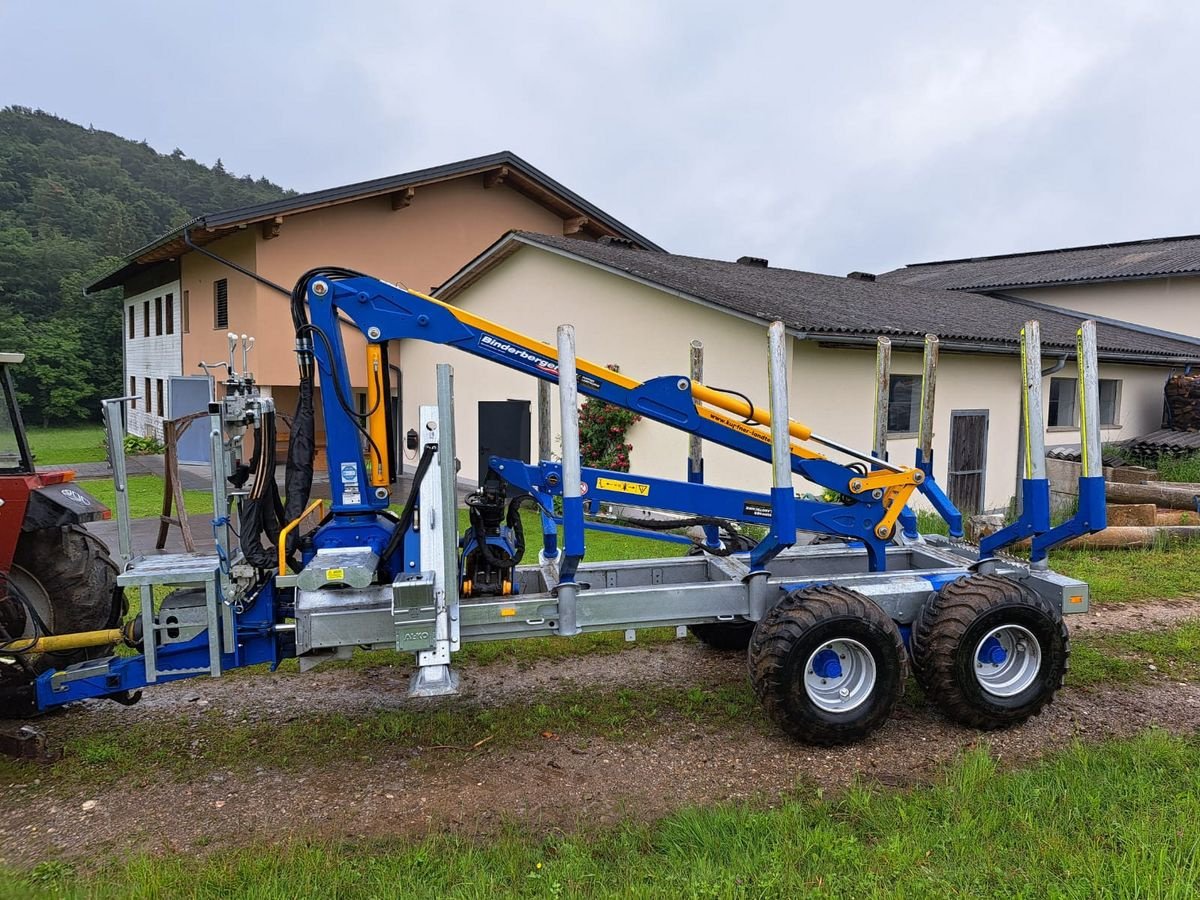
(928, 389)
(1031, 397)
(695, 446)
(883, 381)
(1089, 417)
(568, 397)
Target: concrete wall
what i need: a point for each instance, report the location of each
(647, 332)
(1172, 304)
(154, 356)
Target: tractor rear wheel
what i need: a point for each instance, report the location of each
(989, 651)
(66, 577)
(828, 665)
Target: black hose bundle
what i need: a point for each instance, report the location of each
(298, 473)
(262, 512)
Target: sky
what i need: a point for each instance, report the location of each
(829, 137)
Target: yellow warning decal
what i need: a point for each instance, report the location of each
(335, 575)
(623, 487)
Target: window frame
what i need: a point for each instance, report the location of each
(220, 286)
(1074, 424)
(914, 406)
(1117, 391)
(169, 313)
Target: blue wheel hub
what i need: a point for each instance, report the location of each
(992, 652)
(826, 664)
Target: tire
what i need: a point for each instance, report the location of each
(954, 641)
(795, 639)
(79, 580)
(733, 635)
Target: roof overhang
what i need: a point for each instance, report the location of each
(504, 168)
(512, 242)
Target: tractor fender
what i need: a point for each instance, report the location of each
(55, 505)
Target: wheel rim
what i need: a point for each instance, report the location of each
(1007, 660)
(839, 675)
(35, 595)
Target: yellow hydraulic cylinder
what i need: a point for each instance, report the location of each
(746, 410)
(55, 643)
(377, 418)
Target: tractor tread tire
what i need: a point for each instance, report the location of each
(938, 634)
(80, 577)
(778, 653)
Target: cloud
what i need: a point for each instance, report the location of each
(823, 136)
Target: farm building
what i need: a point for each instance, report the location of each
(640, 310)
(417, 228)
(1155, 283)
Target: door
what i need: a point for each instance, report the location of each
(968, 459)
(191, 394)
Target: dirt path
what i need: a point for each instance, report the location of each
(561, 782)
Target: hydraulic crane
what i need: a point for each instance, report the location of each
(830, 629)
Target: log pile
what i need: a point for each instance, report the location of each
(1183, 402)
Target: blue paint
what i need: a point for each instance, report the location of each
(826, 664)
(992, 652)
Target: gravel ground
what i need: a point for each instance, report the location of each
(561, 782)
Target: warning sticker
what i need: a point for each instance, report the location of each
(335, 574)
(623, 487)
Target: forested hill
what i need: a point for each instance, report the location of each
(73, 201)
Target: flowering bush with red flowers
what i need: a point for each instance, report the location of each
(602, 429)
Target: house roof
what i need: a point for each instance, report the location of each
(1155, 258)
(841, 310)
(504, 167)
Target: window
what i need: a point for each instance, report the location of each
(1062, 404)
(170, 313)
(221, 304)
(158, 315)
(149, 408)
(133, 389)
(146, 318)
(131, 322)
(904, 404)
(1110, 401)
(158, 397)
(187, 325)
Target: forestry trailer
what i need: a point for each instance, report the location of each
(831, 628)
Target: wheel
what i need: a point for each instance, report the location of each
(828, 665)
(733, 635)
(989, 651)
(66, 576)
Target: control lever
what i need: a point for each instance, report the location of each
(247, 346)
(233, 339)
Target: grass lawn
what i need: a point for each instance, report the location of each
(63, 445)
(1120, 576)
(145, 496)
(1114, 819)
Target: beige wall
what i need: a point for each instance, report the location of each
(421, 245)
(198, 273)
(1172, 304)
(647, 332)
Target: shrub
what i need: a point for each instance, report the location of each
(602, 429)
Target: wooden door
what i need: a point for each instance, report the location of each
(968, 459)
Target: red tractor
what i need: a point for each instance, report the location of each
(55, 576)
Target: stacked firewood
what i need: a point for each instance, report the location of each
(1183, 402)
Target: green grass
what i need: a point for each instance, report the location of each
(146, 495)
(1114, 819)
(1179, 468)
(63, 445)
(1120, 576)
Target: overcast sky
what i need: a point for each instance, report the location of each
(827, 137)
